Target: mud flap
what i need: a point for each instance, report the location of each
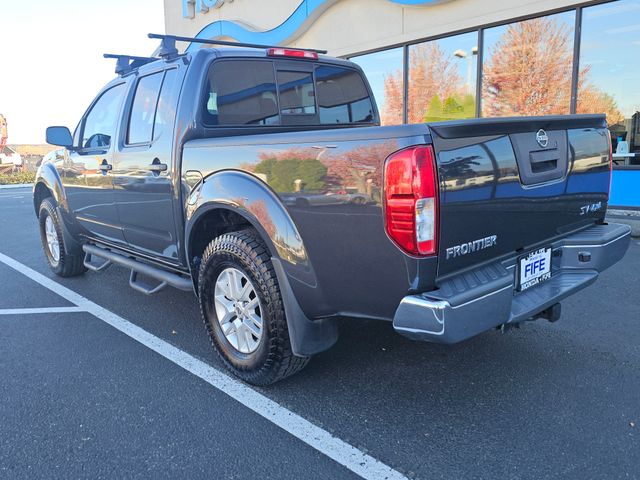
(307, 337)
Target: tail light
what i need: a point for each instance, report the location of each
(288, 52)
(411, 200)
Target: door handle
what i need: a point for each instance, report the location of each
(156, 166)
(105, 167)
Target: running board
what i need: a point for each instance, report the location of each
(165, 278)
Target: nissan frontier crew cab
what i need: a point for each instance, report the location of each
(261, 179)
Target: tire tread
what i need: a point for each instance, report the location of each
(249, 247)
(69, 265)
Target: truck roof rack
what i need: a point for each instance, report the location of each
(126, 63)
(171, 41)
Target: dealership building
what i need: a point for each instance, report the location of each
(432, 60)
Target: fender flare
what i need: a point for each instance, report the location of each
(249, 197)
(252, 199)
(48, 176)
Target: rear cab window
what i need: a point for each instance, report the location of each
(297, 93)
(342, 96)
(241, 92)
(265, 92)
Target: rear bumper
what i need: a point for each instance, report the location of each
(481, 299)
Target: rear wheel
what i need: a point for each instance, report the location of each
(243, 311)
(62, 263)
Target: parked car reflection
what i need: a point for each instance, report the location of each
(303, 199)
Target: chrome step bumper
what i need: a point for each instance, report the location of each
(484, 298)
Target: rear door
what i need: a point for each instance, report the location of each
(508, 186)
(87, 169)
(143, 168)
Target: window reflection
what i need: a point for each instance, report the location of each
(442, 79)
(166, 111)
(527, 70)
(342, 96)
(242, 92)
(527, 67)
(610, 72)
(144, 108)
(297, 95)
(384, 72)
(100, 123)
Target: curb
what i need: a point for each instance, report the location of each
(18, 185)
(626, 217)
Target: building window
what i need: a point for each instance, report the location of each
(527, 67)
(442, 79)
(384, 70)
(610, 73)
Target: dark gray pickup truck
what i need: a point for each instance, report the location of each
(260, 179)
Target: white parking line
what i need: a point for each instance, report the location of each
(341, 452)
(16, 185)
(30, 311)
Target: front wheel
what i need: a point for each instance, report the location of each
(61, 262)
(243, 310)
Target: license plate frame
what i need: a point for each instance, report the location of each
(539, 271)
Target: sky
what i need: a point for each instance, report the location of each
(51, 57)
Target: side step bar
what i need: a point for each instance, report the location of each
(165, 278)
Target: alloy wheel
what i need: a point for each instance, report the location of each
(238, 310)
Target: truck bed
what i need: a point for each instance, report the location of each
(500, 193)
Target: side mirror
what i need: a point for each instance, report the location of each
(60, 136)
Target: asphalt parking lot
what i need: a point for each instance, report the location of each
(80, 398)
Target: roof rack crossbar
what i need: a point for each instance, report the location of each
(126, 63)
(224, 42)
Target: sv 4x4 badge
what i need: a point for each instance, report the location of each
(592, 207)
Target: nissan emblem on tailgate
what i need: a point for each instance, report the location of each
(542, 138)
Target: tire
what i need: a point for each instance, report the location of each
(261, 359)
(62, 263)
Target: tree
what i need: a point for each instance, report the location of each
(360, 166)
(432, 72)
(435, 108)
(592, 100)
(391, 110)
(529, 71)
(282, 173)
(433, 76)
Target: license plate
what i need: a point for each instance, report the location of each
(534, 268)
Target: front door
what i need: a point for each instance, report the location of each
(86, 172)
(143, 166)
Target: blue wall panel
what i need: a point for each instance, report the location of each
(625, 188)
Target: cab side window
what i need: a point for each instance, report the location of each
(166, 110)
(143, 110)
(101, 122)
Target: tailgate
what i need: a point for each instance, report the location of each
(508, 185)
